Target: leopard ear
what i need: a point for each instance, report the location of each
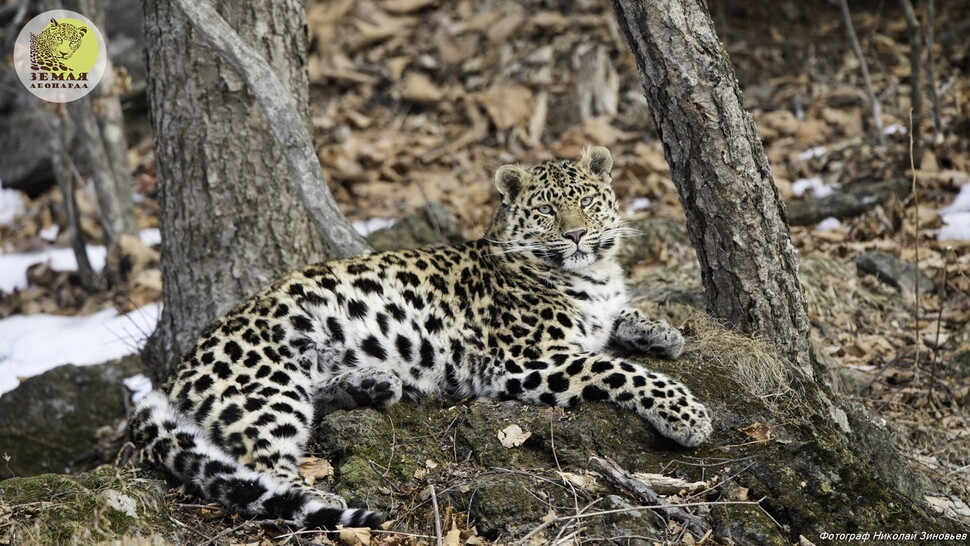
(82, 30)
(509, 179)
(53, 22)
(598, 161)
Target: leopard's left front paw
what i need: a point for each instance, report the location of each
(636, 332)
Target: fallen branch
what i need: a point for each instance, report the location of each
(852, 201)
(289, 128)
(627, 482)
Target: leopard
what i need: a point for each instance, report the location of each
(526, 313)
(55, 44)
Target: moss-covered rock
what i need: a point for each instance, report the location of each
(106, 504)
(50, 422)
(825, 468)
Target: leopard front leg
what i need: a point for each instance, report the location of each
(567, 379)
(633, 331)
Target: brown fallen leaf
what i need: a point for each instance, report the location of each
(508, 105)
(513, 436)
(418, 87)
(759, 431)
(312, 469)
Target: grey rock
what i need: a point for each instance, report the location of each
(893, 271)
(49, 422)
(435, 225)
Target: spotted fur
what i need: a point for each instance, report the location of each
(523, 313)
(56, 43)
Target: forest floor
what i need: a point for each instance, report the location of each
(418, 100)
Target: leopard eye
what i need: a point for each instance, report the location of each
(544, 209)
(586, 201)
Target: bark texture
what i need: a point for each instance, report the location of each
(231, 220)
(287, 124)
(735, 217)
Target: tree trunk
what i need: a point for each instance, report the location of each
(738, 226)
(231, 220)
(735, 217)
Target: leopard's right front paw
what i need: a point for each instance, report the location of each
(693, 430)
(676, 413)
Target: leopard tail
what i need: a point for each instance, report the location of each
(175, 443)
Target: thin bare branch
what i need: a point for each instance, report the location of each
(916, 92)
(864, 67)
(931, 70)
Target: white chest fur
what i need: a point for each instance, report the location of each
(605, 297)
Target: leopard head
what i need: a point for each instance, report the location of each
(561, 212)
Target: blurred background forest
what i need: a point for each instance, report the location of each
(419, 101)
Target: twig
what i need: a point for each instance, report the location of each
(437, 515)
(916, 93)
(864, 67)
(931, 71)
(912, 168)
(937, 350)
(656, 507)
(190, 528)
(289, 128)
(642, 491)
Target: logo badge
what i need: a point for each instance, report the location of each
(60, 56)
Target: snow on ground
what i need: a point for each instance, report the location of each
(829, 224)
(139, 385)
(366, 227)
(956, 217)
(815, 185)
(13, 267)
(33, 344)
(817, 151)
(637, 204)
(11, 204)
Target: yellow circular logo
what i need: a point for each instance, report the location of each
(60, 56)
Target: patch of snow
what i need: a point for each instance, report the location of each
(817, 186)
(894, 129)
(637, 204)
(11, 204)
(817, 151)
(956, 217)
(366, 227)
(13, 267)
(957, 227)
(51, 233)
(33, 344)
(139, 385)
(829, 224)
(150, 236)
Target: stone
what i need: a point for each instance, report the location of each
(50, 423)
(893, 271)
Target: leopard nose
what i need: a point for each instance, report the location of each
(575, 235)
